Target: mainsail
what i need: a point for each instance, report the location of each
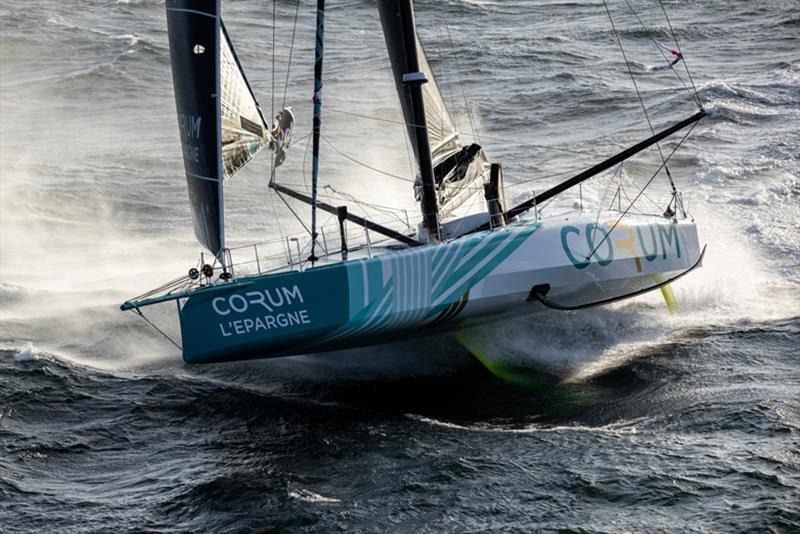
(460, 170)
(218, 135)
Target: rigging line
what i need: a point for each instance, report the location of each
(409, 154)
(638, 93)
(677, 44)
(379, 207)
(291, 52)
(274, 18)
(305, 160)
(660, 51)
(293, 212)
(354, 160)
(622, 192)
(475, 200)
(473, 133)
(277, 222)
(272, 96)
(628, 199)
(372, 117)
(449, 86)
(157, 329)
(305, 182)
(630, 206)
(617, 174)
(461, 83)
(545, 177)
(632, 182)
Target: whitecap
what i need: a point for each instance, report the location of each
(309, 496)
(26, 354)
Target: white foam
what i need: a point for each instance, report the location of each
(26, 354)
(626, 428)
(309, 496)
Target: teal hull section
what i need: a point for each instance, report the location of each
(344, 305)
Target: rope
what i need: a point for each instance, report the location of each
(291, 52)
(677, 44)
(277, 222)
(449, 86)
(274, 20)
(294, 213)
(630, 206)
(378, 207)
(660, 51)
(169, 287)
(495, 138)
(409, 153)
(639, 95)
(272, 111)
(354, 160)
(461, 84)
(157, 329)
(363, 205)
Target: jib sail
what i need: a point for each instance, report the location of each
(244, 130)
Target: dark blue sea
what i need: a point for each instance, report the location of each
(629, 419)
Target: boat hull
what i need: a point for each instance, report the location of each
(475, 279)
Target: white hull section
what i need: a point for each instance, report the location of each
(638, 254)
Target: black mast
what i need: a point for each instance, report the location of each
(317, 123)
(397, 17)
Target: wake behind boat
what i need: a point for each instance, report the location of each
(461, 267)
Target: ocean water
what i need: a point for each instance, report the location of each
(633, 420)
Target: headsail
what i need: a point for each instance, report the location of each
(442, 134)
(218, 135)
(244, 130)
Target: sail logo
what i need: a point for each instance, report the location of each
(595, 243)
(189, 125)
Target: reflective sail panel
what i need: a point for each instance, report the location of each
(442, 134)
(459, 171)
(244, 131)
(194, 29)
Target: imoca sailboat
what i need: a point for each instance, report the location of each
(456, 270)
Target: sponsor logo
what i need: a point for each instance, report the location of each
(583, 245)
(263, 310)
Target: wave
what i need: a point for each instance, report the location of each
(616, 429)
